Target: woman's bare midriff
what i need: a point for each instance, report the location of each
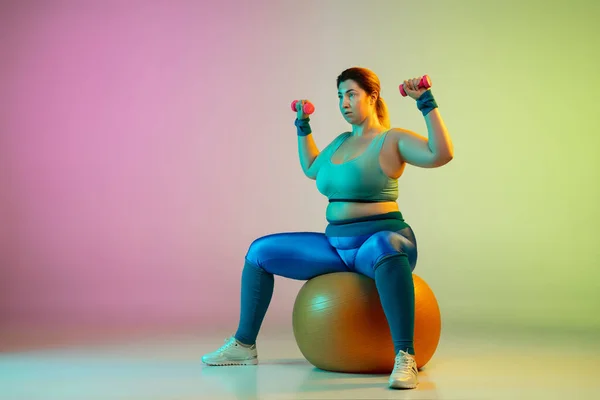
(339, 211)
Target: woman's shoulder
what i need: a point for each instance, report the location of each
(343, 135)
(394, 136)
(398, 133)
(339, 138)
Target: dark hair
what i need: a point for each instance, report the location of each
(368, 81)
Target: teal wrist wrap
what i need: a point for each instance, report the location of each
(426, 102)
(303, 127)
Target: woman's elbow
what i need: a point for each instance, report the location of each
(443, 159)
(310, 173)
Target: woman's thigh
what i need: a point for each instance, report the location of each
(382, 244)
(295, 255)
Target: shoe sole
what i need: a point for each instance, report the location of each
(400, 385)
(232, 363)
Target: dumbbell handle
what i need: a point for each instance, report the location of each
(424, 83)
(308, 107)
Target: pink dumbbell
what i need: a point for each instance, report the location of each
(425, 83)
(308, 107)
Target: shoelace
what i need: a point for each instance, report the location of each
(404, 364)
(227, 345)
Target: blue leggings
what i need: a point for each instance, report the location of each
(387, 256)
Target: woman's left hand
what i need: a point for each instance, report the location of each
(411, 87)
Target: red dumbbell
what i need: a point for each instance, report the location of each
(425, 83)
(308, 107)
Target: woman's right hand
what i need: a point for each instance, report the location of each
(300, 114)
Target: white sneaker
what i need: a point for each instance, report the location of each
(404, 375)
(232, 353)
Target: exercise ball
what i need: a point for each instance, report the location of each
(339, 324)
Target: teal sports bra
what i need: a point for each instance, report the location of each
(360, 179)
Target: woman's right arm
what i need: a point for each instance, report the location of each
(308, 153)
(310, 156)
(307, 148)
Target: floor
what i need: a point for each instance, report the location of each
(168, 367)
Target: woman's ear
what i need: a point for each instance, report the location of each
(374, 97)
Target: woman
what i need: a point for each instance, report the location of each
(358, 171)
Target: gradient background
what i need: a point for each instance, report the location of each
(145, 144)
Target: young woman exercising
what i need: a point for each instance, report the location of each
(366, 232)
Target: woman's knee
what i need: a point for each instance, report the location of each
(260, 248)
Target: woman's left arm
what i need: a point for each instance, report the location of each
(427, 152)
(435, 150)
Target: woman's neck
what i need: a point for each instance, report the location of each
(369, 127)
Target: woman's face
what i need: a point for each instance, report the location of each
(355, 104)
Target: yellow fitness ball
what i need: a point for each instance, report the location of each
(340, 326)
